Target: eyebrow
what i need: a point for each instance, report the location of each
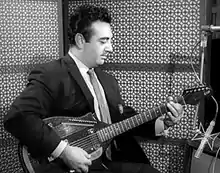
(104, 38)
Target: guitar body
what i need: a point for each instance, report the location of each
(79, 131)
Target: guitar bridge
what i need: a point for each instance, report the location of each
(77, 124)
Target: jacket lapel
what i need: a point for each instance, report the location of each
(74, 71)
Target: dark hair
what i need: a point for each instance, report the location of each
(82, 19)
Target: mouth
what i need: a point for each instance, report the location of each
(104, 56)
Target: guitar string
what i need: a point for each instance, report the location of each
(84, 143)
(87, 141)
(106, 133)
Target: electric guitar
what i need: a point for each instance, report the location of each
(94, 137)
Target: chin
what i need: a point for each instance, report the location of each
(101, 62)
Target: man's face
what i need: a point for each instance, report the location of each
(99, 45)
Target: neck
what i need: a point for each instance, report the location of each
(78, 54)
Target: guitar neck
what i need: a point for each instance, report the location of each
(116, 129)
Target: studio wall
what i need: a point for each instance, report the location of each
(29, 35)
(153, 42)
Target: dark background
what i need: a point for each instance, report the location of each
(210, 106)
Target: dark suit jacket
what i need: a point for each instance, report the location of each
(58, 89)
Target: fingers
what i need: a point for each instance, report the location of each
(88, 162)
(172, 109)
(88, 156)
(176, 110)
(172, 118)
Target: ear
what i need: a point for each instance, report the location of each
(80, 40)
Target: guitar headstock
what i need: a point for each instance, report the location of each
(192, 96)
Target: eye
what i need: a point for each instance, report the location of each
(103, 41)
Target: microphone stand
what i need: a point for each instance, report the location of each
(203, 45)
(201, 134)
(204, 38)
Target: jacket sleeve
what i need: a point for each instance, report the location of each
(25, 117)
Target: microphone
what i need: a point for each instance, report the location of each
(205, 139)
(210, 28)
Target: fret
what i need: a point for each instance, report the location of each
(122, 125)
(144, 116)
(117, 129)
(139, 119)
(136, 121)
(105, 132)
(110, 132)
(101, 135)
(126, 126)
(132, 121)
(127, 122)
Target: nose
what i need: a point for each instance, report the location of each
(109, 47)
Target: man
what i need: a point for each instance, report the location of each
(65, 87)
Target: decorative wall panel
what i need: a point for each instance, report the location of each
(153, 42)
(28, 36)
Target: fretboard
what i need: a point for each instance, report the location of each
(118, 128)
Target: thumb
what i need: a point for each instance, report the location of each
(88, 156)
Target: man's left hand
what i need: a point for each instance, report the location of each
(174, 115)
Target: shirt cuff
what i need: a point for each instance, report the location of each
(59, 149)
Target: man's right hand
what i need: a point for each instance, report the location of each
(76, 159)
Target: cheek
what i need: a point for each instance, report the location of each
(95, 55)
(97, 52)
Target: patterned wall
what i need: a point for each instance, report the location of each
(28, 36)
(152, 43)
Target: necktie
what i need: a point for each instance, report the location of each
(104, 111)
